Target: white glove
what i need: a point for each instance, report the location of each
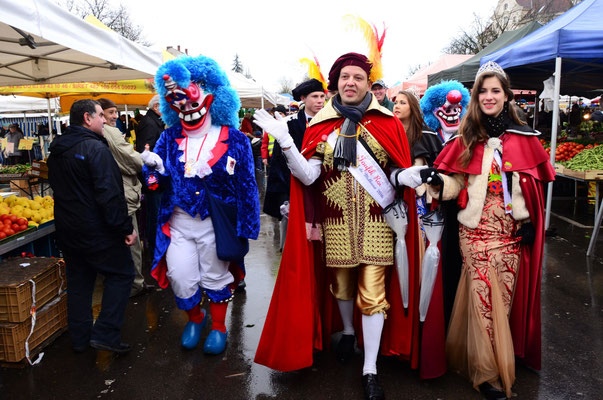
(410, 177)
(277, 128)
(152, 160)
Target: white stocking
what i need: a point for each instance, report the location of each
(372, 326)
(346, 309)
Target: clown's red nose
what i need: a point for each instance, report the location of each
(454, 96)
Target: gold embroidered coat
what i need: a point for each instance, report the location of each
(353, 228)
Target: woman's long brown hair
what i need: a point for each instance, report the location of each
(471, 129)
(415, 126)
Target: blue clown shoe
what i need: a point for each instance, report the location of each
(215, 342)
(192, 334)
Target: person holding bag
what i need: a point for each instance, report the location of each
(210, 205)
(498, 161)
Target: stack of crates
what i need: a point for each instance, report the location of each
(17, 293)
(39, 169)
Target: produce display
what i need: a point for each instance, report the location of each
(19, 213)
(566, 151)
(15, 169)
(589, 159)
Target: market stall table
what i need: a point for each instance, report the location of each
(26, 238)
(17, 181)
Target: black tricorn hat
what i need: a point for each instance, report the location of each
(307, 87)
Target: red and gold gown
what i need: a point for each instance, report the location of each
(479, 343)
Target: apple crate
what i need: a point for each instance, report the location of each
(16, 290)
(49, 319)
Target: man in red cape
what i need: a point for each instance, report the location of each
(303, 313)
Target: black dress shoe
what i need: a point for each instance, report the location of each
(345, 348)
(121, 348)
(372, 388)
(492, 393)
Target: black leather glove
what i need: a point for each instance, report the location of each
(431, 177)
(527, 233)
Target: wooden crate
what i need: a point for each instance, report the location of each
(16, 290)
(38, 173)
(559, 169)
(49, 319)
(21, 186)
(588, 175)
(39, 165)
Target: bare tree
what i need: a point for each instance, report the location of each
(480, 34)
(116, 18)
(247, 74)
(286, 85)
(413, 69)
(483, 31)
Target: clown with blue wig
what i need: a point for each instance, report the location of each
(210, 205)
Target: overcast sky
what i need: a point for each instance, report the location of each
(271, 36)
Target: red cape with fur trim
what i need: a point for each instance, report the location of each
(525, 155)
(299, 319)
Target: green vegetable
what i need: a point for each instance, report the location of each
(15, 169)
(587, 160)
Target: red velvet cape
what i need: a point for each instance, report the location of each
(301, 313)
(525, 155)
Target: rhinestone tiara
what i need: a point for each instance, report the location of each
(415, 91)
(490, 66)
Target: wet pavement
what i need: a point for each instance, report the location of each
(157, 368)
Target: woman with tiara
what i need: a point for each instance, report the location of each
(496, 169)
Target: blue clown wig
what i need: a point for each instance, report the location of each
(211, 78)
(435, 97)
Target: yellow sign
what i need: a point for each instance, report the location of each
(3, 143)
(26, 144)
(135, 86)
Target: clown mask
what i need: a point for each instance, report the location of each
(192, 105)
(449, 114)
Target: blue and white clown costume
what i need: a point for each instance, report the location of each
(200, 150)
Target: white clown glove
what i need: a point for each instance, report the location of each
(410, 177)
(152, 160)
(277, 128)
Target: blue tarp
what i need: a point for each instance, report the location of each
(576, 36)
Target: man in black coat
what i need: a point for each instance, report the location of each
(148, 131)
(93, 228)
(150, 126)
(312, 93)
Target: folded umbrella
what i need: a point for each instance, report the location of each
(396, 215)
(433, 224)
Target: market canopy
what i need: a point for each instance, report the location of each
(251, 93)
(136, 92)
(418, 80)
(465, 71)
(42, 43)
(21, 104)
(575, 36)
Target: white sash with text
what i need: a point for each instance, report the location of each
(369, 174)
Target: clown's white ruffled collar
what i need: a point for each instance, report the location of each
(201, 145)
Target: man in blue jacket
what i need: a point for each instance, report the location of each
(93, 228)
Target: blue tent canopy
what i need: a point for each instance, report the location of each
(576, 36)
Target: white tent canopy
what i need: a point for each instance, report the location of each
(42, 43)
(252, 94)
(21, 104)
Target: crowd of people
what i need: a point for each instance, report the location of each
(361, 179)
